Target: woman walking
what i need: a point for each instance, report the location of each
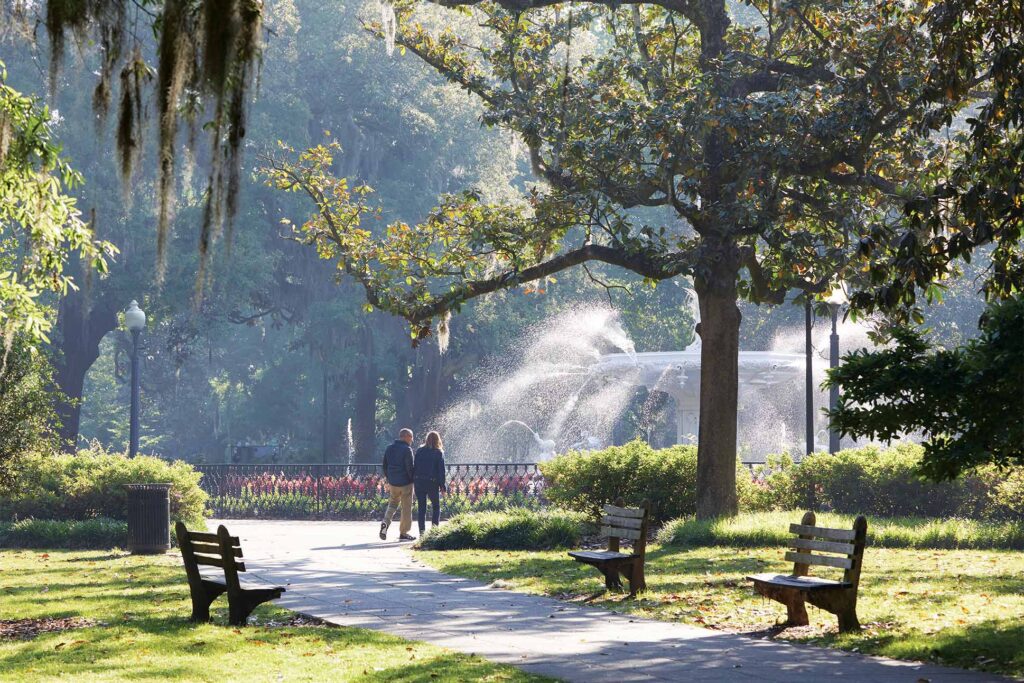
(429, 478)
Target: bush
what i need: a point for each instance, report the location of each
(772, 529)
(90, 484)
(513, 529)
(92, 534)
(883, 483)
(666, 478)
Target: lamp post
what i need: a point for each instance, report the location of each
(836, 300)
(135, 321)
(809, 378)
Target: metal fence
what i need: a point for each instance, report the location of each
(335, 491)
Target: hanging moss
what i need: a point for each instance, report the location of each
(208, 52)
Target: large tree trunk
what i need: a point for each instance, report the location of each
(364, 419)
(80, 329)
(423, 393)
(719, 379)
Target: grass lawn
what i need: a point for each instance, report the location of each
(955, 607)
(138, 608)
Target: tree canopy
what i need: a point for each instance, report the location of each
(968, 402)
(783, 146)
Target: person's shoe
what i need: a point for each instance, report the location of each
(422, 531)
(406, 537)
(383, 531)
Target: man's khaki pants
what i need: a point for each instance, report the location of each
(400, 495)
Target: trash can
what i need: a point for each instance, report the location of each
(149, 518)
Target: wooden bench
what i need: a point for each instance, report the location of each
(846, 548)
(620, 522)
(219, 550)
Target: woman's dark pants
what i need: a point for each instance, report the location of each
(426, 490)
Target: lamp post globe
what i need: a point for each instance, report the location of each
(135, 321)
(836, 300)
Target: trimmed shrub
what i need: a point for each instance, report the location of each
(513, 529)
(89, 534)
(90, 484)
(585, 481)
(883, 483)
(772, 529)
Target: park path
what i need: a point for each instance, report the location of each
(342, 573)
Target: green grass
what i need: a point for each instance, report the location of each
(955, 607)
(141, 607)
(772, 529)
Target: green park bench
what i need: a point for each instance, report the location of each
(219, 550)
(618, 523)
(846, 552)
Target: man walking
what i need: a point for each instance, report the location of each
(398, 471)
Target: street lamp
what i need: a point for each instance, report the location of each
(836, 300)
(808, 376)
(135, 321)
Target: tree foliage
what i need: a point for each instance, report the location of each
(40, 224)
(968, 401)
(26, 408)
(977, 49)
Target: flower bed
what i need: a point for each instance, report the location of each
(358, 492)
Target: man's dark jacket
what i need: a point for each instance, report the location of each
(429, 467)
(398, 463)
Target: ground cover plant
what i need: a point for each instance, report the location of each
(108, 615)
(958, 608)
(98, 533)
(511, 529)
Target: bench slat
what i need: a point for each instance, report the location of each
(599, 555)
(823, 532)
(615, 511)
(218, 562)
(633, 534)
(805, 583)
(623, 522)
(210, 538)
(824, 546)
(823, 560)
(213, 549)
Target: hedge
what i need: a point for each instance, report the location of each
(883, 483)
(90, 484)
(584, 481)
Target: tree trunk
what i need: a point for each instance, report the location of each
(80, 329)
(364, 419)
(719, 330)
(423, 392)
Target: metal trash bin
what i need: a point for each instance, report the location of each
(149, 518)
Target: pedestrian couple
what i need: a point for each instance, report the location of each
(405, 472)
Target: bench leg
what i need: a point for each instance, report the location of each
(611, 579)
(796, 612)
(848, 620)
(201, 601)
(239, 610)
(637, 581)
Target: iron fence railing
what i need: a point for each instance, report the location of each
(335, 491)
(354, 492)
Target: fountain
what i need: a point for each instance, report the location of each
(677, 373)
(568, 388)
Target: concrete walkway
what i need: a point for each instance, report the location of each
(341, 572)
